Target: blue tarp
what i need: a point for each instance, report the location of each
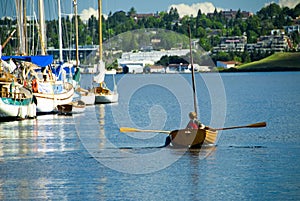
(39, 60)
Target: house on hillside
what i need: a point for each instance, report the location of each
(178, 68)
(231, 44)
(133, 68)
(155, 69)
(226, 64)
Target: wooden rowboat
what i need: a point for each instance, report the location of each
(192, 138)
(74, 107)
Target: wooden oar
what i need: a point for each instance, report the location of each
(256, 125)
(126, 130)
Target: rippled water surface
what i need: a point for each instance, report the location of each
(85, 157)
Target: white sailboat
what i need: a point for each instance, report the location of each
(16, 101)
(50, 93)
(88, 97)
(74, 106)
(102, 92)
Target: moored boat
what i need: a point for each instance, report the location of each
(49, 95)
(16, 102)
(105, 95)
(86, 96)
(102, 92)
(74, 107)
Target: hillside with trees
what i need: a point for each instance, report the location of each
(207, 28)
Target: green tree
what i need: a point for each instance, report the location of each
(131, 12)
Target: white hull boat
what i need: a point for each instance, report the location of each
(107, 98)
(16, 103)
(49, 96)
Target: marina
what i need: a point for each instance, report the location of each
(85, 157)
(172, 105)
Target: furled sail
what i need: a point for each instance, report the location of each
(101, 72)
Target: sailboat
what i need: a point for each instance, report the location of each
(193, 138)
(86, 96)
(203, 136)
(75, 106)
(16, 101)
(186, 138)
(50, 92)
(102, 92)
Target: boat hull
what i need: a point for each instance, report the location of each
(107, 98)
(74, 107)
(18, 104)
(17, 111)
(48, 102)
(88, 99)
(193, 138)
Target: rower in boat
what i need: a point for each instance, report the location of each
(194, 123)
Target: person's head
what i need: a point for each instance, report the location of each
(193, 115)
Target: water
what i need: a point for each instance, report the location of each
(84, 157)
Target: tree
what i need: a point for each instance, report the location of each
(238, 14)
(131, 12)
(246, 57)
(236, 31)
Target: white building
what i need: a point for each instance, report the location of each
(226, 64)
(133, 68)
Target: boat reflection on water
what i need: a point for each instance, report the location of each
(102, 124)
(32, 152)
(35, 137)
(18, 139)
(203, 152)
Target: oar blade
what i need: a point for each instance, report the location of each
(128, 130)
(257, 125)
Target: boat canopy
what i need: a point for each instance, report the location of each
(39, 60)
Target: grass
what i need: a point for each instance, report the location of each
(282, 61)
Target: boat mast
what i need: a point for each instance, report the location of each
(42, 27)
(193, 75)
(100, 28)
(20, 22)
(76, 32)
(60, 33)
(25, 26)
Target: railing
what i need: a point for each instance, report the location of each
(13, 95)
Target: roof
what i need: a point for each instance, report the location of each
(156, 67)
(229, 62)
(133, 66)
(177, 65)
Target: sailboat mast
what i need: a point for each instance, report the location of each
(60, 32)
(193, 73)
(76, 32)
(20, 22)
(42, 27)
(25, 26)
(100, 28)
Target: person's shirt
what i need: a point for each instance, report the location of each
(195, 124)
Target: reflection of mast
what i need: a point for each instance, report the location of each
(102, 123)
